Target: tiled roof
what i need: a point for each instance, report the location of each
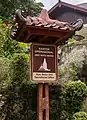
(44, 21)
(53, 27)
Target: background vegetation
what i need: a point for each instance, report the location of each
(18, 94)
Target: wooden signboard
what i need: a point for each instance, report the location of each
(43, 63)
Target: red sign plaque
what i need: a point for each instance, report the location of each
(43, 63)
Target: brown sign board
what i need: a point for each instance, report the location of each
(43, 63)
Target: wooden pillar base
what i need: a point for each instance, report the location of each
(43, 102)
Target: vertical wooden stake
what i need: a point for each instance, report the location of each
(47, 100)
(39, 102)
(43, 102)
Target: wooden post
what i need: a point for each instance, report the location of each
(43, 102)
(39, 102)
(47, 100)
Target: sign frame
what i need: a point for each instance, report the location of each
(32, 62)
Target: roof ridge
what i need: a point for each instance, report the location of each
(67, 4)
(82, 3)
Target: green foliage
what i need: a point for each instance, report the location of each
(4, 72)
(74, 54)
(72, 98)
(19, 102)
(8, 46)
(80, 116)
(20, 68)
(67, 74)
(71, 41)
(72, 62)
(17, 94)
(8, 7)
(54, 93)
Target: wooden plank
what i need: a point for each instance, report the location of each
(46, 101)
(43, 102)
(48, 32)
(39, 102)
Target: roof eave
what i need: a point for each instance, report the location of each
(67, 5)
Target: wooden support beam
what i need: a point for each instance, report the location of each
(46, 90)
(43, 102)
(39, 102)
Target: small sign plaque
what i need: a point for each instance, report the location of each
(43, 63)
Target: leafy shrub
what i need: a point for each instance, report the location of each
(72, 98)
(18, 99)
(80, 116)
(4, 72)
(20, 68)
